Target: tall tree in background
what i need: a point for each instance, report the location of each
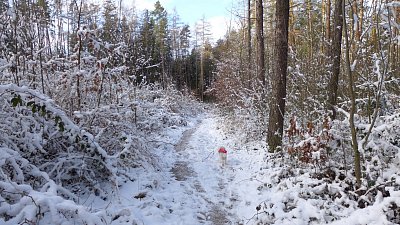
(277, 103)
(335, 56)
(42, 14)
(184, 45)
(260, 42)
(110, 26)
(249, 39)
(203, 28)
(327, 7)
(145, 48)
(161, 51)
(5, 33)
(175, 29)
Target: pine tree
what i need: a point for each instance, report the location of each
(162, 49)
(203, 28)
(110, 27)
(277, 103)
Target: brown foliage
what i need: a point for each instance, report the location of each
(312, 149)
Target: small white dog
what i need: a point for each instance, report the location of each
(222, 155)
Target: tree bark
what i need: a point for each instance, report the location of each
(78, 89)
(335, 56)
(249, 41)
(328, 20)
(260, 42)
(277, 103)
(357, 161)
(310, 30)
(201, 80)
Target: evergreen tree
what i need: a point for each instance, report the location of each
(203, 33)
(161, 54)
(110, 28)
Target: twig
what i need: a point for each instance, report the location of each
(168, 143)
(249, 179)
(377, 186)
(212, 152)
(248, 220)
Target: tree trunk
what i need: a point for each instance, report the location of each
(357, 161)
(277, 103)
(78, 89)
(201, 79)
(335, 56)
(310, 30)
(16, 66)
(249, 41)
(328, 20)
(260, 42)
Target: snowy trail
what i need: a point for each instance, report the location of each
(187, 185)
(190, 187)
(198, 167)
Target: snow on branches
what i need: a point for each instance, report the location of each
(45, 157)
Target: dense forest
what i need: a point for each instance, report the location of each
(87, 87)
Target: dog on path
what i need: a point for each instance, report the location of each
(222, 155)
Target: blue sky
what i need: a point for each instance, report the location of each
(190, 11)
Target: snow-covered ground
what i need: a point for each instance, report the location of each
(189, 186)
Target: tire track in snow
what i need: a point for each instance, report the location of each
(202, 173)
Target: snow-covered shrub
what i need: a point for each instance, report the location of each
(41, 132)
(46, 157)
(49, 161)
(301, 192)
(243, 124)
(28, 195)
(298, 195)
(129, 131)
(382, 149)
(158, 108)
(308, 145)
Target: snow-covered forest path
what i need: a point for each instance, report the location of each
(189, 186)
(199, 171)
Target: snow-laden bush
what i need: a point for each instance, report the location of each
(127, 131)
(40, 132)
(297, 196)
(28, 195)
(45, 160)
(316, 193)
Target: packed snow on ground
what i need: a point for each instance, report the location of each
(188, 185)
